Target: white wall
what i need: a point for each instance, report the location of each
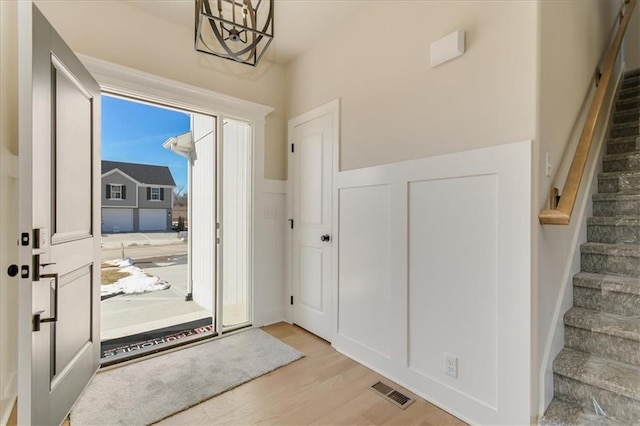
(395, 107)
(121, 33)
(8, 207)
(572, 39)
(434, 258)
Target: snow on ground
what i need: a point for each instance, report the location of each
(137, 281)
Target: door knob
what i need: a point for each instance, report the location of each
(325, 238)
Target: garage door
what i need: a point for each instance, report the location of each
(153, 219)
(117, 220)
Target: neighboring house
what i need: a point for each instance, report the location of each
(136, 197)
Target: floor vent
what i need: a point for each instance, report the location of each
(392, 395)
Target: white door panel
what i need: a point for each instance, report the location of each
(153, 219)
(117, 220)
(59, 339)
(312, 182)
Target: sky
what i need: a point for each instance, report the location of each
(134, 132)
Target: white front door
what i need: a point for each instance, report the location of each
(312, 164)
(59, 204)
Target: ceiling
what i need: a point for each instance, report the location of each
(298, 23)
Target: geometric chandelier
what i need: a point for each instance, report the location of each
(239, 30)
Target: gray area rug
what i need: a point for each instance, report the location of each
(150, 390)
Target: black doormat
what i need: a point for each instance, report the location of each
(147, 340)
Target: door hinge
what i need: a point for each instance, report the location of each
(292, 300)
(290, 223)
(293, 148)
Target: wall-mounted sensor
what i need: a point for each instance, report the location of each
(447, 48)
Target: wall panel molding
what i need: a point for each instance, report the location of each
(435, 258)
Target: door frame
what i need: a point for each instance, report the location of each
(330, 108)
(138, 85)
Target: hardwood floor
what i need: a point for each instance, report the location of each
(325, 387)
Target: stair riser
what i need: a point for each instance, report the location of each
(616, 406)
(611, 185)
(623, 147)
(616, 207)
(626, 116)
(625, 130)
(631, 163)
(613, 234)
(611, 264)
(606, 301)
(604, 345)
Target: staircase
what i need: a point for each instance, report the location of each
(597, 374)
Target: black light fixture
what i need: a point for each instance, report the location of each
(239, 30)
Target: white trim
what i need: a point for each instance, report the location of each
(138, 84)
(118, 80)
(333, 108)
(159, 194)
(111, 188)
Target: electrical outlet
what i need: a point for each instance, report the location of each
(450, 365)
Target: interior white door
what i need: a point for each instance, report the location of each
(59, 203)
(312, 182)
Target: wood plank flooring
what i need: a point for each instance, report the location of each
(325, 388)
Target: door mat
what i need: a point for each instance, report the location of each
(153, 389)
(145, 341)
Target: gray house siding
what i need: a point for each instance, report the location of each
(144, 203)
(130, 192)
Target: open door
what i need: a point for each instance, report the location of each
(59, 205)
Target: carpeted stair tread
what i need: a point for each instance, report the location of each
(627, 327)
(613, 182)
(607, 283)
(628, 104)
(613, 229)
(564, 413)
(621, 249)
(622, 162)
(626, 116)
(623, 139)
(626, 92)
(620, 378)
(629, 128)
(621, 156)
(624, 195)
(614, 221)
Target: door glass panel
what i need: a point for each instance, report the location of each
(72, 160)
(236, 217)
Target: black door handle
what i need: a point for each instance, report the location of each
(325, 238)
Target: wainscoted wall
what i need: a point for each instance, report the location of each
(434, 258)
(271, 234)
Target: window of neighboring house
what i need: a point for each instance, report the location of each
(155, 194)
(116, 192)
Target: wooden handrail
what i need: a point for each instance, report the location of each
(561, 215)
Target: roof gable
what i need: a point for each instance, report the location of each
(145, 174)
